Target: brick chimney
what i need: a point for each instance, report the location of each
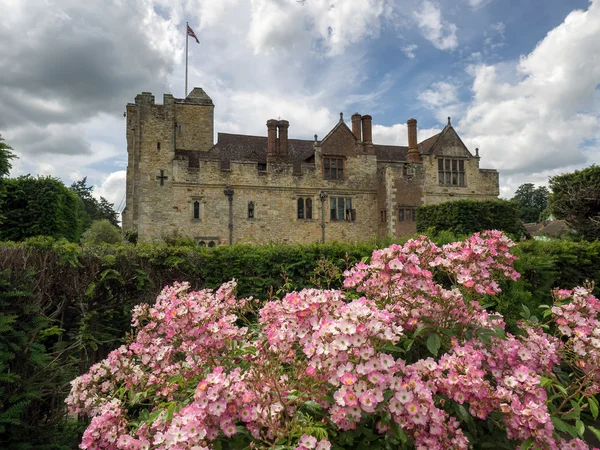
(413, 148)
(367, 134)
(283, 126)
(356, 119)
(271, 137)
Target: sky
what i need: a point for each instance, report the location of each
(520, 78)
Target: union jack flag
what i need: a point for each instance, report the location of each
(191, 33)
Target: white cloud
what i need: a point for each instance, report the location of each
(332, 25)
(541, 118)
(409, 50)
(397, 134)
(443, 99)
(440, 33)
(112, 188)
(476, 4)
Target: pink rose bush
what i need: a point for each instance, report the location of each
(404, 357)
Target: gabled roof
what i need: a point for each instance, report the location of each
(239, 147)
(448, 133)
(337, 126)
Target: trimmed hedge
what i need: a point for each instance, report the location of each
(468, 217)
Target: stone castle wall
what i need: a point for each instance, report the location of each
(162, 188)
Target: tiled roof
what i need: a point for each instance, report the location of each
(239, 147)
(391, 152)
(426, 145)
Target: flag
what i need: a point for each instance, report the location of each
(191, 33)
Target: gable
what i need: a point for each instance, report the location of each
(340, 141)
(448, 143)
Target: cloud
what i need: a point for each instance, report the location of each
(541, 116)
(476, 4)
(397, 134)
(331, 25)
(409, 50)
(440, 33)
(67, 63)
(112, 188)
(443, 99)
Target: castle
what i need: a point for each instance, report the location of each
(260, 189)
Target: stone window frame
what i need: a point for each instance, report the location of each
(207, 241)
(349, 213)
(452, 172)
(407, 213)
(251, 210)
(201, 201)
(340, 172)
(305, 207)
(383, 215)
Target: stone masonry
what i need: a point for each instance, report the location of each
(260, 189)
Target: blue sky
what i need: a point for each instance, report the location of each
(519, 78)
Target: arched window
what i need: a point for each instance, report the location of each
(202, 244)
(211, 244)
(300, 208)
(309, 208)
(196, 209)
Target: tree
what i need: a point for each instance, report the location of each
(101, 231)
(41, 206)
(576, 198)
(94, 209)
(5, 156)
(532, 201)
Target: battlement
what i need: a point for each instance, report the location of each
(197, 97)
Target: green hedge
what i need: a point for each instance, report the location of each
(64, 307)
(467, 217)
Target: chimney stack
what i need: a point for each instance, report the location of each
(271, 137)
(283, 126)
(367, 135)
(356, 119)
(413, 148)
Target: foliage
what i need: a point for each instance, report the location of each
(467, 216)
(94, 209)
(394, 360)
(39, 206)
(5, 156)
(576, 198)
(101, 232)
(95, 288)
(532, 201)
(33, 369)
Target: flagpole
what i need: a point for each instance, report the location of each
(186, 59)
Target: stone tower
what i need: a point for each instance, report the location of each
(154, 133)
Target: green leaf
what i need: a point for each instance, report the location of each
(563, 426)
(420, 330)
(580, 427)
(434, 342)
(398, 432)
(593, 407)
(526, 445)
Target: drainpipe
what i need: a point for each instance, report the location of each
(229, 193)
(323, 197)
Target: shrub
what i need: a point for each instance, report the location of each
(468, 217)
(40, 206)
(101, 232)
(395, 360)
